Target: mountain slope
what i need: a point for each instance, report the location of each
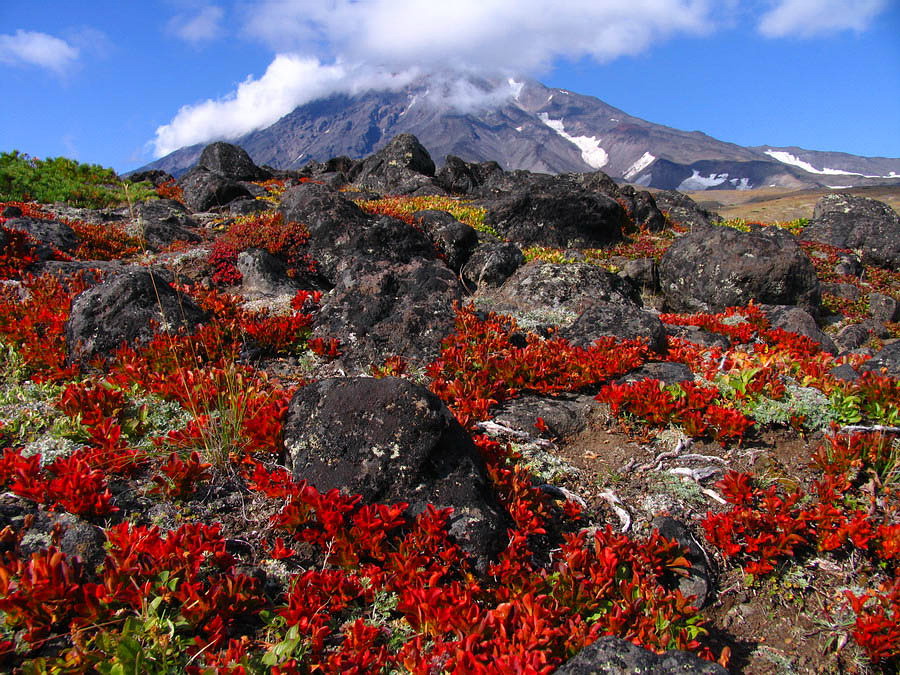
(526, 125)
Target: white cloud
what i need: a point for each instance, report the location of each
(37, 49)
(808, 18)
(204, 26)
(508, 35)
(289, 81)
(398, 40)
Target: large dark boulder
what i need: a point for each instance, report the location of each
(718, 267)
(403, 166)
(131, 306)
(565, 415)
(324, 211)
(642, 209)
(263, 274)
(331, 220)
(570, 287)
(231, 161)
(867, 226)
(455, 240)
(614, 656)
(391, 440)
(155, 176)
(491, 264)
(161, 222)
(387, 239)
(460, 177)
(683, 210)
(381, 308)
(51, 235)
(623, 321)
(204, 189)
(560, 215)
(340, 234)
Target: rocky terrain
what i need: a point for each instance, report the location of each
(378, 415)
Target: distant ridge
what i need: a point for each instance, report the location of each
(526, 125)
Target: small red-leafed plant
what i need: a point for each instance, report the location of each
(19, 252)
(694, 407)
(483, 364)
(170, 189)
(394, 366)
(179, 478)
(267, 231)
(35, 324)
(327, 348)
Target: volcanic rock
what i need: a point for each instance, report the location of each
(718, 267)
(571, 287)
(885, 362)
(558, 214)
(460, 177)
(564, 415)
(683, 210)
(643, 273)
(340, 233)
(391, 440)
(698, 582)
(867, 226)
(401, 167)
(456, 240)
(131, 306)
(205, 189)
(624, 321)
(614, 656)
(798, 321)
(263, 274)
(491, 264)
(854, 336)
(642, 207)
(50, 234)
(667, 372)
(884, 308)
(231, 161)
(379, 308)
(161, 222)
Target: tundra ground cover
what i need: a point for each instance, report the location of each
(403, 209)
(353, 587)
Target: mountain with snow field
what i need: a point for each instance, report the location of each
(523, 124)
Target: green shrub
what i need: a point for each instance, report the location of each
(59, 179)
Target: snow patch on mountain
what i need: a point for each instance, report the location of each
(698, 182)
(642, 163)
(412, 101)
(591, 152)
(788, 158)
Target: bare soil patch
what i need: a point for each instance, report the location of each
(787, 622)
(782, 204)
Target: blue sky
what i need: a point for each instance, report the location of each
(116, 83)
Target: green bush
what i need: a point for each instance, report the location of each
(59, 179)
